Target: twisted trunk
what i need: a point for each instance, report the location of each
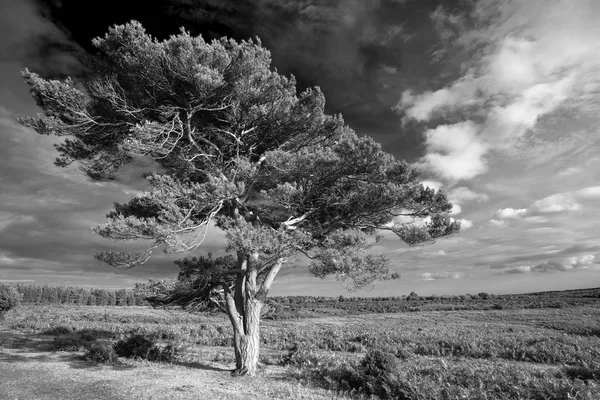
(244, 306)
(245, 303)
(247, 343)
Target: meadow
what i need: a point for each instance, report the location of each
(551, 353)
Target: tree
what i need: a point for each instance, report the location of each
(9, 298)
(121, 297)
(242, 151)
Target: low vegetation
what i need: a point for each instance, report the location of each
(551, 353)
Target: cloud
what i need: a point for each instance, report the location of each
(456, 209)
(435, 185)
(592, 192)
(537, 219)
(565, 201)
(497, 222)
(553, 204)
(454, 152)
(465, 224)
(521, 269)
(557, 203)
(520, 61)
(510, 213)
(565, 264)
(26, 35)
(433, 276)
(463, 194)
(570, 171)
(7, 219)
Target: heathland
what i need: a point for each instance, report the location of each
(501, 347)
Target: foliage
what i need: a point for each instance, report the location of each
(44, 294)
(101, 352)
(376, 375)
(9, 298)
(66, 339)
(143, 347)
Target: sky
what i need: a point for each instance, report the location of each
(495, 101)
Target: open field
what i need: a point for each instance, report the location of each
(493, 354)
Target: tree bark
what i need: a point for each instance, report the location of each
(247, 343)
(244, 309)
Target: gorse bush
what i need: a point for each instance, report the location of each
(135, 346)
(141, 346)
(9, 298)
(101, 352)
(376, 375)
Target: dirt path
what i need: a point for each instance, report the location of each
(29, 371)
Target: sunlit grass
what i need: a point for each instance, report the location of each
(501, 354)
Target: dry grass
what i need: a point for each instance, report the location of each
(499, 354)
(29, 370)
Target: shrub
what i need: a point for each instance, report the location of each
(140, 346)
(101, 352)
(378, 374)
(134, 346)
(9, 298)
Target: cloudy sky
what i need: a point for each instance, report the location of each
(497, 101)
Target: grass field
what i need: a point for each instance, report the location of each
(493, 354)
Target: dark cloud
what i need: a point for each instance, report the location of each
(363, 54)
(28, 37)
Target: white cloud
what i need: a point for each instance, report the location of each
(592, 192)
(465, 224)
(527, 59)
(422, 106)
(454, 152)
(462, 194)
(456, 209)
(586, 261)
(435, 185)
(432, 276)
(556, 203)
(497, 222)
(511, 213)
(521, 269)
(566, 264)
(553, 204)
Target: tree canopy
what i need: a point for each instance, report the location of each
(239, 149)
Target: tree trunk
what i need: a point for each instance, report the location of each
(247, 344)
(244, 305)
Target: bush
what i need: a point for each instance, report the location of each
(9, 298)
(140, 346)
(101, 352)
(377, 375)
(134, 346)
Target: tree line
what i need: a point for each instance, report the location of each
(46, 294)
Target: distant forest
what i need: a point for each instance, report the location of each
(284, 307)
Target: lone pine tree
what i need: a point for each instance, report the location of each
(239, 150)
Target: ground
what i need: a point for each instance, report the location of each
(30, 371)
(546, 354)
